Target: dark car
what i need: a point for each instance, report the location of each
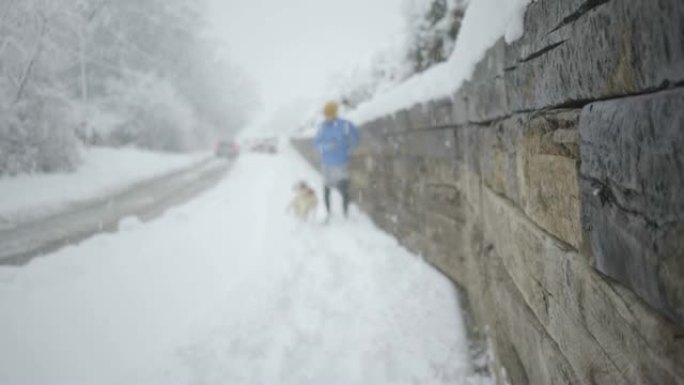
(267, 146)
(226, 149)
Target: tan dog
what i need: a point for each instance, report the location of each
(304, 203)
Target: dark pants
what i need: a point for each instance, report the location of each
(343, 187)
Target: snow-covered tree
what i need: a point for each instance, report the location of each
(37, 111)
(148, 112)
(222, 95)
(69, 70)
(433, 28)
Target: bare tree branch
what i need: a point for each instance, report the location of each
(32, 61)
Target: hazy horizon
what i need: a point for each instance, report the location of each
(291, 50)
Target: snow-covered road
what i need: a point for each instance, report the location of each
(229, 289)
(102, 172)
(147, 200)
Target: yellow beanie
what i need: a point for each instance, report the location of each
(330, 110)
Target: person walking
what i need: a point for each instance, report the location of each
(335, 141)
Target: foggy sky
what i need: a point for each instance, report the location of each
(290, 47)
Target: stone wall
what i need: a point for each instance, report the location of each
(550, 188)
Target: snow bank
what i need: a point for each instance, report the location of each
(229, 289)
(103, 171)
(485, 22)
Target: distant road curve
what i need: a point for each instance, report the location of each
(145, 200)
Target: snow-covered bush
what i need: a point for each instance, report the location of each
(36, 137)
(152, 115)
(387, 68)
(433, 29)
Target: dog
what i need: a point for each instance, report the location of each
(305, 202)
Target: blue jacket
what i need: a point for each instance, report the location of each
(335, 141)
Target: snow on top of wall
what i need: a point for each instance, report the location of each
(485, 22)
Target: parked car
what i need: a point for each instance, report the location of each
(266, 146)
(227, 149)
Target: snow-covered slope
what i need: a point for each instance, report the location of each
(485, 22)
(230, 289)
(103, 171)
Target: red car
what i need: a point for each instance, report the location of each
(225, 149)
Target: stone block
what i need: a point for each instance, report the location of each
(543, 17)
(388, 124)
(603, 49)
(420, 117)
(410, 143)
(392, 145)
(432, 143)
(443, 170)
(459, 107)
(486, 91)
(456, 232)
(522, 345)
(606, 338)
(548, 173)
(406, 168)
(569, 137)
(488, 100)
(416, 243)
(441, 111)
(520, 160)
(492, 64)
(440, 143)
(443, 199)
(632, 171)
(468, 146)
(499, 157)
(372, 128)
(401, 121)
